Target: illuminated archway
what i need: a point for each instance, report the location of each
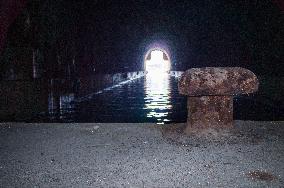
(157, 60)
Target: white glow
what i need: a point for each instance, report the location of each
(157, 64)
(157, 87)
(157, 99)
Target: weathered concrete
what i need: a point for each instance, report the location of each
(210, 92)
(140, 155)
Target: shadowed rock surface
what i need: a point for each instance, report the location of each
(218, 81)
(209, 112)
(210, 92)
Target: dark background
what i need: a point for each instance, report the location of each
(111, 36)
(48, 46)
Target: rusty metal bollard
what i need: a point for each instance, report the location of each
(210, 92)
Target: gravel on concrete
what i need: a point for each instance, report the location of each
(140, 155)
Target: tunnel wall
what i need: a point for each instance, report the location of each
(20, 99)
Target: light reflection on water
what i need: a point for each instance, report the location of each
(60, 105)
(153, 98)
(157, 96)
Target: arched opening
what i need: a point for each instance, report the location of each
(157, 61)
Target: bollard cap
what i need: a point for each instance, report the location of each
(217, 81)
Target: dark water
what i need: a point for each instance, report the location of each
(153, 98)
(146, 99)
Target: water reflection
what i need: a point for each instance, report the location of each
(60, 105)
(153, 98)
(157, 96)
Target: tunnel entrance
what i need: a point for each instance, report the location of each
(157, 61)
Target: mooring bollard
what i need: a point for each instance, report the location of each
(210, 92)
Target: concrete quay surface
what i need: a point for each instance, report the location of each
(140, 155)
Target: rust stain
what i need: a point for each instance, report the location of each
(210, 92)
(209, 112)
(218, 81)
(261, 175)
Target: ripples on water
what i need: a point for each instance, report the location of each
(158, 96)
(153, 98)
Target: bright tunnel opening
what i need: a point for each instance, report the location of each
(157, 62)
